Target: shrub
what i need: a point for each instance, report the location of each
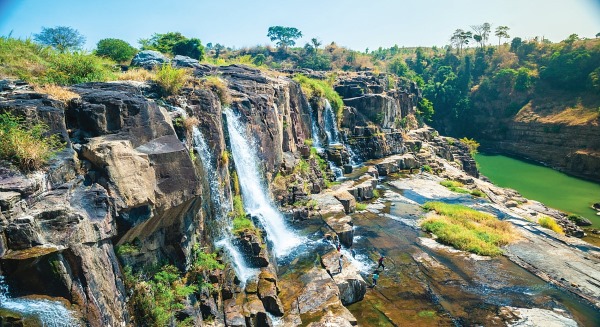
(550, 223)
(361, 206)
(477, 193)
(23, 59)
(115, 49)
(471, 144)
(27, 145)
(172, 79)
(78, 67)
(302, 167)
(427, 168)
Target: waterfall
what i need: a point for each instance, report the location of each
(221, 207)
(50, 313)
(255, 195)
(315, 130)
(330, 125)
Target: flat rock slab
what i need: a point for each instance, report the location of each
(349, 281)
(342, 226)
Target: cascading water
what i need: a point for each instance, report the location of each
(221, 207)
(49, 313)
(315, 130)
(254, 193)
(330, 121)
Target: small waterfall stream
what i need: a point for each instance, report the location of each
(49, 313)
(221, 206)
(254, 192)
(330, 121)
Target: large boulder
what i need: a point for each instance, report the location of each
(267, 292)
(342, 226)
(149, 59)
(351, 285)
(347, 200)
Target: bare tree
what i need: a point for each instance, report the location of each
(483, 32)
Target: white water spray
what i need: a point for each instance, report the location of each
(222, 207)
(50, 313)
(254, 193)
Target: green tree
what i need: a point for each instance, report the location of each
(398, 67)
(425, 109)
(482, 33)
(461, 38)
(189, 47)
(162, 42)
(115, 49)
(502, 33)
(515, 44)
(61, 38)
(284, 36)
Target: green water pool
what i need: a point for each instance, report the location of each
(536, 182)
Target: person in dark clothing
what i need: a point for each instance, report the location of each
(381, 265)
(339, 247)
(341, 262)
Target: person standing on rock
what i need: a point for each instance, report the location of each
(341, 262)
(339, 247)
(375, 278)
(381, 265)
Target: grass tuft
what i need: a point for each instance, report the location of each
(137, 74)
(321, 89)
(550, 223)
(172, 79)
(56, 92)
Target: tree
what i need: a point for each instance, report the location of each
(597, 35)
(115, 49)
(315, 43)
(502, 33)
(284, 36)
(189, 47)
(460, 38)
(162, 42)
(482, 32)
(61, 38)
(515, 44)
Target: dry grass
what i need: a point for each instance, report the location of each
(218, 86)
(467, 229)
(137, 74)
(189, 123)
(550, 223)
(172, 79)
(573, 116)
(56, 92)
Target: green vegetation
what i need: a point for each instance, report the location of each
(467, 229)
(477, 193)
(37, 64)
(321, 89)
(376, 194)
(577, 219)
(361, 206)
(427, 168)
(174, 43)
(127, 249)
(27, 145)
(284, 36)
(172, 79)
(158, 293)
(471, 144)
(455, 186)
(302, 167)
(240, 219)
(427, 314)
(550, 223)
(115, 49)
(61, 38)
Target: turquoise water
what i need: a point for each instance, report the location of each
(536, 182)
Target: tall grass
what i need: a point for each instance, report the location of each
(467, 229)
(26, 145)
(218, 86)
(321, 88)
(454, 186)
(172, 79)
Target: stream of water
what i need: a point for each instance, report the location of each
(221, 206)
(49, 313)
(537, 182)
(254, 193)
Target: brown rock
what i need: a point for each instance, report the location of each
(347, 200)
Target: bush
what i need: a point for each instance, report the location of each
(23, 59)
(172, 79)
(361, 206)
(427, 168)
(78, 67)
(115, 49)
(550, 223)
(471, 144)
(27, 145)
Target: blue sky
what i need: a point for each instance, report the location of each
(352, 23)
